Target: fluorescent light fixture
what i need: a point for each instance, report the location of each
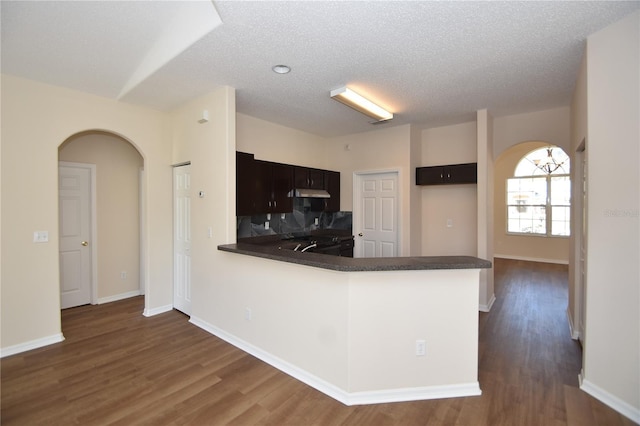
(361, 104)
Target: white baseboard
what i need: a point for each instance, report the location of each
(532, 259)
(117, 297)
(156, 311)
(487, 307)
(612, 401)
(33, 344)
(413, 394)
(575, 334)
(347, 398)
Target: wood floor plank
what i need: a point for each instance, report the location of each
(117, 367)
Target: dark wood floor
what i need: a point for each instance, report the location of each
(118, 367)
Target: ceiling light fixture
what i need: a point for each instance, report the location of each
(281, 69)
(549, 164)
(361, 104)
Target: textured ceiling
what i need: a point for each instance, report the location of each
(430, 63)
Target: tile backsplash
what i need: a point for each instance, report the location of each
(301, 220)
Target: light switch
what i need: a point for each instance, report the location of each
(449, 223)
(41, 237)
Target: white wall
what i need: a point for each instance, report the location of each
(611, 370)
(36, 119)
(118, 166)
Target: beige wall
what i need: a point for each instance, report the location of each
(273, 142)
(485, 142)
(383, 149)
(449, 145)
(575, 308)
(541, 249)
(550, 125)
(118, 166)
(36, 119)
(611, 370)
(210, 147)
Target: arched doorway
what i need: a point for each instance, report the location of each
(508, 244)
(115, 242)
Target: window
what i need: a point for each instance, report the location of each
(539, 196)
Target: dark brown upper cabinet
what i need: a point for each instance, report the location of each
(265, 187)
(272, 185)
(332, 186)
(245, 184)
(447, 175)
(308, 178)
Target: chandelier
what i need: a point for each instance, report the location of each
(548, 164)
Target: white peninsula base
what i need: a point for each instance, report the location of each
(352, 335)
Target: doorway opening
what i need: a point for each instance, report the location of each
(532, 209)
(110, 246)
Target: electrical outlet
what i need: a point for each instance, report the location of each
(316, 221)
(449, 223)
(421, 347)
(123, 275)
(266, 225)
(248, 315)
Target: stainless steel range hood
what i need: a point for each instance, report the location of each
(309, 193)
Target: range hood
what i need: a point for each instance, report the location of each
(309, 193)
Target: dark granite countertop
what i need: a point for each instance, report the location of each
(283, 253)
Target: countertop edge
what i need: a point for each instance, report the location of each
(348, 264)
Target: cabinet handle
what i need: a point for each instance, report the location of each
(448, 175)
(275, 203)
(441, 175)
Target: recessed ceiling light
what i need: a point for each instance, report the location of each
(281, 69)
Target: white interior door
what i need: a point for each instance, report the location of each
(182, 238)
(75, 250)
(376, 215)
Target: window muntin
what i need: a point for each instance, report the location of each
(539, 197)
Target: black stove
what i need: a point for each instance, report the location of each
(325, 244)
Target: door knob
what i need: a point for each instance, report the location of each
(84, 243)
(360, 234)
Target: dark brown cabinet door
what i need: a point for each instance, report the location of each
(262, 190)
(282, 184)
(332, 186)
(307, 178)
(245, 183)
(465, 173)
(430, 175)
(445, 175)
(272, 185)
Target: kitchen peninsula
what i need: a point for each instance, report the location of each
(360, 330)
